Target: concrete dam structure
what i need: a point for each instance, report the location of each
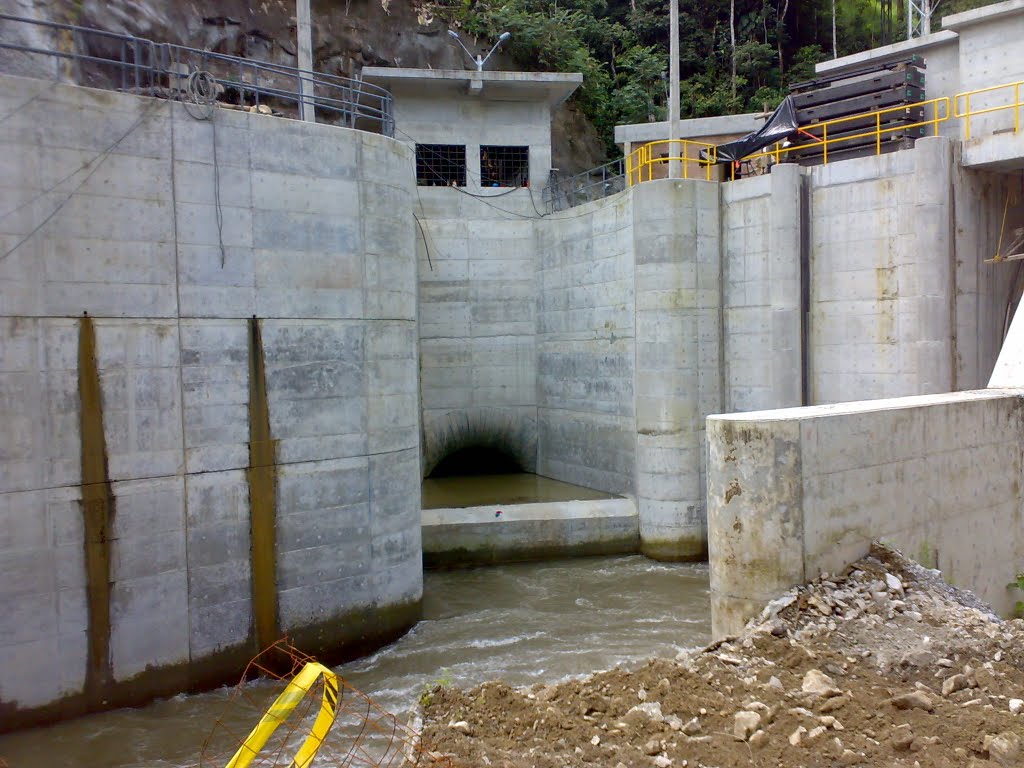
(232, 348)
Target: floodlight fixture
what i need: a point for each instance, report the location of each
(478, 59)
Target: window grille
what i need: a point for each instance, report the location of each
(440, 165)
(504, 166)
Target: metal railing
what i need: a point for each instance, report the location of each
(585, 187)
(968, 111)
(101, 59)
(696, 160)
(819, 132)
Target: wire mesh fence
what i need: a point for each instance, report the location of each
(101, 59)
(595, 184)
(288, 710)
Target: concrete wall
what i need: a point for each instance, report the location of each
(988, 56)
(477, 324)
(477, 536)
(792, 493)
(109, 208)
(677, 234)
(881, 275)
(983, 289)
(761, 231)
(630, 340)
(586, 329)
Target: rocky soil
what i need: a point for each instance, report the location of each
(884, 665)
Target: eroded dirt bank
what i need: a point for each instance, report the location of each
(884, 665)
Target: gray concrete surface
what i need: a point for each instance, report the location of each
(109, 208)
(761, 291)
(477, 536)
(881, 259)
(586, 334)
(796, 492)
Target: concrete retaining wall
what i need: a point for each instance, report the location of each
(630, 352)
(478, 324)
(586, 346)
(479, 536)
(761, 230)
(881, 275)
(677, 234)
(109, 209)
(792, 493)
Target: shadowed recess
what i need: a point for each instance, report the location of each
(499, 443)
(262, 478)
(97, 512)
(477, 460)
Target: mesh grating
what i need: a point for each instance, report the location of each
(504, 166)
(441, 165)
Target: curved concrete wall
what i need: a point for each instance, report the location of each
(240, 401)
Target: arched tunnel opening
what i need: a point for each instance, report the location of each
(485, 475)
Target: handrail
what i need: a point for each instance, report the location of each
(968, 113)
(876, 132)
(593, 184)
(640, 162)
(145, 65)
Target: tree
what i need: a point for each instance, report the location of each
(734, 55)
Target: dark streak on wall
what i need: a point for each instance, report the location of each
(97, 512)
(262, 477)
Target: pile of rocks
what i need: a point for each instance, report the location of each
(884, 665)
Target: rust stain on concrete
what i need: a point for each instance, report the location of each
(262, 478)
(732, 491)
(97, 511)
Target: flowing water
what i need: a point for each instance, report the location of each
(525, 623)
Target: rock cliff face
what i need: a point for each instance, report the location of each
(347, 35)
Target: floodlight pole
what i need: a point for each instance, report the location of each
(304, 33)
(673, 97)
(478, 59)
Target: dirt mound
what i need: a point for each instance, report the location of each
(884, 666)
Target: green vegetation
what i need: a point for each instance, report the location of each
(427, 691)
(735, 55)
(1018, 584)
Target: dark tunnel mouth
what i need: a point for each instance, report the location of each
(474, 461)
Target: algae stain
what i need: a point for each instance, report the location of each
(732, 491)
(262, 478)
(97, 511)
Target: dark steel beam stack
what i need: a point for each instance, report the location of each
(897, 87)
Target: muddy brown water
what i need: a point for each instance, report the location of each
(487, 490)
(525, 623)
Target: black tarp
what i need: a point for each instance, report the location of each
(779, 127)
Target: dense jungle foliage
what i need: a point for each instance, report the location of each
(734, 55)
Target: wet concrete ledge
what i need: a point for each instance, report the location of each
(480, 536)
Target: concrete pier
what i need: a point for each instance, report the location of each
(163, 513)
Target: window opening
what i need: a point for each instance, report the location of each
(440, 165)
(504, 166)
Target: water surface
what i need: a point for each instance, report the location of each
(488, 490)
(524, 623)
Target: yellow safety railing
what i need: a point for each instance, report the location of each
(640, 163)
(283, 706)
(820, 132)
(1006, 90)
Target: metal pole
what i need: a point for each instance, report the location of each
(304, 32)
(673, 94)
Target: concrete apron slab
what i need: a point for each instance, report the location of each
(481, 536)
